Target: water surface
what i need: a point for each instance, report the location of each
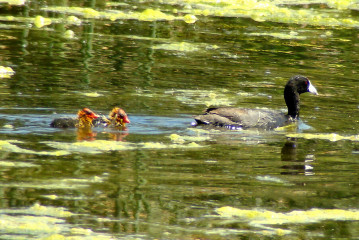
(161, 178)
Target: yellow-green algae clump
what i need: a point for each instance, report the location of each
(214, 97)
(333, 137)
(99, 146)
(9, 146)
(6, 72)
(40, 21)
(44, 222)
(113, 15)
(263, 218)
(14, 2)
(274, 11)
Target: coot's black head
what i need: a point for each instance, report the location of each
(296, 85)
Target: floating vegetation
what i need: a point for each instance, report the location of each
(40, 21)
(91, 94)
(290, 36)
(69, 34)
(184, 47)
(73, 20)
(216, 97)
(39, 210)
(273, 11)
(99, 146)
(92, 147)
(272, 179)
(333, 137)
(113, 15)
(9, 164)
(14, 2)
(72, 183)
(181, 47)
(175, 138)
(44, 222)
(263, 219)
(6, 72)
(9, 146)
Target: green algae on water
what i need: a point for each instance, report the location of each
(113, 15)
(6, 72)
(40, 21)
(274, 11)
(268, 220)
(291, 36)
(9, 146)
(100, 146)
(333, 137)
(14, 2)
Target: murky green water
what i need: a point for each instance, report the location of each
(164, 61)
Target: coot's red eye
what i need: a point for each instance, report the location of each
(307, 82)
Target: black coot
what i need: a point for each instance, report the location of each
(258, 118)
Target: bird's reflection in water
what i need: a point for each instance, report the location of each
(295, 163)
(120, 135)
(85, 134)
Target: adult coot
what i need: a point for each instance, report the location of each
(258, 118)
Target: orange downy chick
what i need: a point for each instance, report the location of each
(118, 117)
(85, 117)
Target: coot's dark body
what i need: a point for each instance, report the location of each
(259, 118)
(243, 118)
(64, 122)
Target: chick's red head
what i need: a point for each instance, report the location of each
(86, 112)
(119, 116)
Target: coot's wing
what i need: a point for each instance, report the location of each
(245, 118)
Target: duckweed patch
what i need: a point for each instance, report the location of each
(333, 137)
(8, 164)
(216, 97)
(113, 15)
(175, 138)
(263, 219)
(181, 47)
(274, 11)
(9, 146)
(14, 2)
(40, 210)
(185, 47)
(44, 222)
(92, 94)
(40, 21)
(6, 72)
(99, 146)
(287, 36)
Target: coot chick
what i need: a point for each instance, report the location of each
(118, 117)
(84, 119)
(241, 118)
